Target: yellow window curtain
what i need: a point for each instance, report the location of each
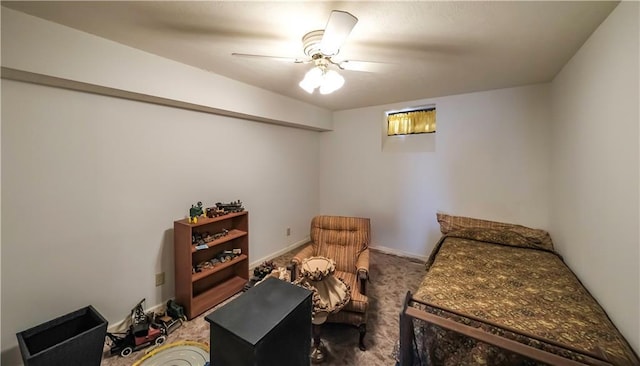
(423, 121)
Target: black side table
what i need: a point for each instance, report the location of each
(269, 324)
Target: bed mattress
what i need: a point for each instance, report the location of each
(508, 280)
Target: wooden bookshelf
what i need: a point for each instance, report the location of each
(201, 291)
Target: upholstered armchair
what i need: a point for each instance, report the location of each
(346, 241)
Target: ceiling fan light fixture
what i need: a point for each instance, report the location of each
(327, 81)
(331, 82)
(306, 86)
(312, 79)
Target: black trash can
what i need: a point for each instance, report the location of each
(76, 338)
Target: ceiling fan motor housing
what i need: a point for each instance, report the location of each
(311, 43)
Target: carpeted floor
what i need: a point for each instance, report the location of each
(391, 278)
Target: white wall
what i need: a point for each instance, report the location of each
(595, 167)
(490, 160)
(91, 186)
(34, 45)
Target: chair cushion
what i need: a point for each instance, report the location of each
(359, 302)
(340, 238)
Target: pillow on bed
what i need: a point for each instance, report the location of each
(498, 236)
(449, 223)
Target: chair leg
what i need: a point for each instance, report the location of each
(363, 330)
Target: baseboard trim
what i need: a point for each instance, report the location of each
(399, 253)
(280, 252)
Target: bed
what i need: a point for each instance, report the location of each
(498, 294)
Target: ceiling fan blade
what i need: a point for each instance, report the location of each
(336, 32)
(278, 58)
(362, 66)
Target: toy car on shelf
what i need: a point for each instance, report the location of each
(214, 212)
(235, 206)
(142, 332)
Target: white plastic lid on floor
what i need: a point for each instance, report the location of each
(183, 353)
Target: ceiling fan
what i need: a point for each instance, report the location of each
(320, 46)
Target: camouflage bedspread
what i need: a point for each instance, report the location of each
(517, 284)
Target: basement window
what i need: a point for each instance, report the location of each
(410, 122)
(409, 130)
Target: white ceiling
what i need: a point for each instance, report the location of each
(425, 49)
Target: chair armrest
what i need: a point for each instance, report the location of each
(362, 266)
(306, 252)
(362, 263)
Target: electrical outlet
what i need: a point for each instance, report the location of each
(288, 231)
(159, 279)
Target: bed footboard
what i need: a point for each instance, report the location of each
(428, 337)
